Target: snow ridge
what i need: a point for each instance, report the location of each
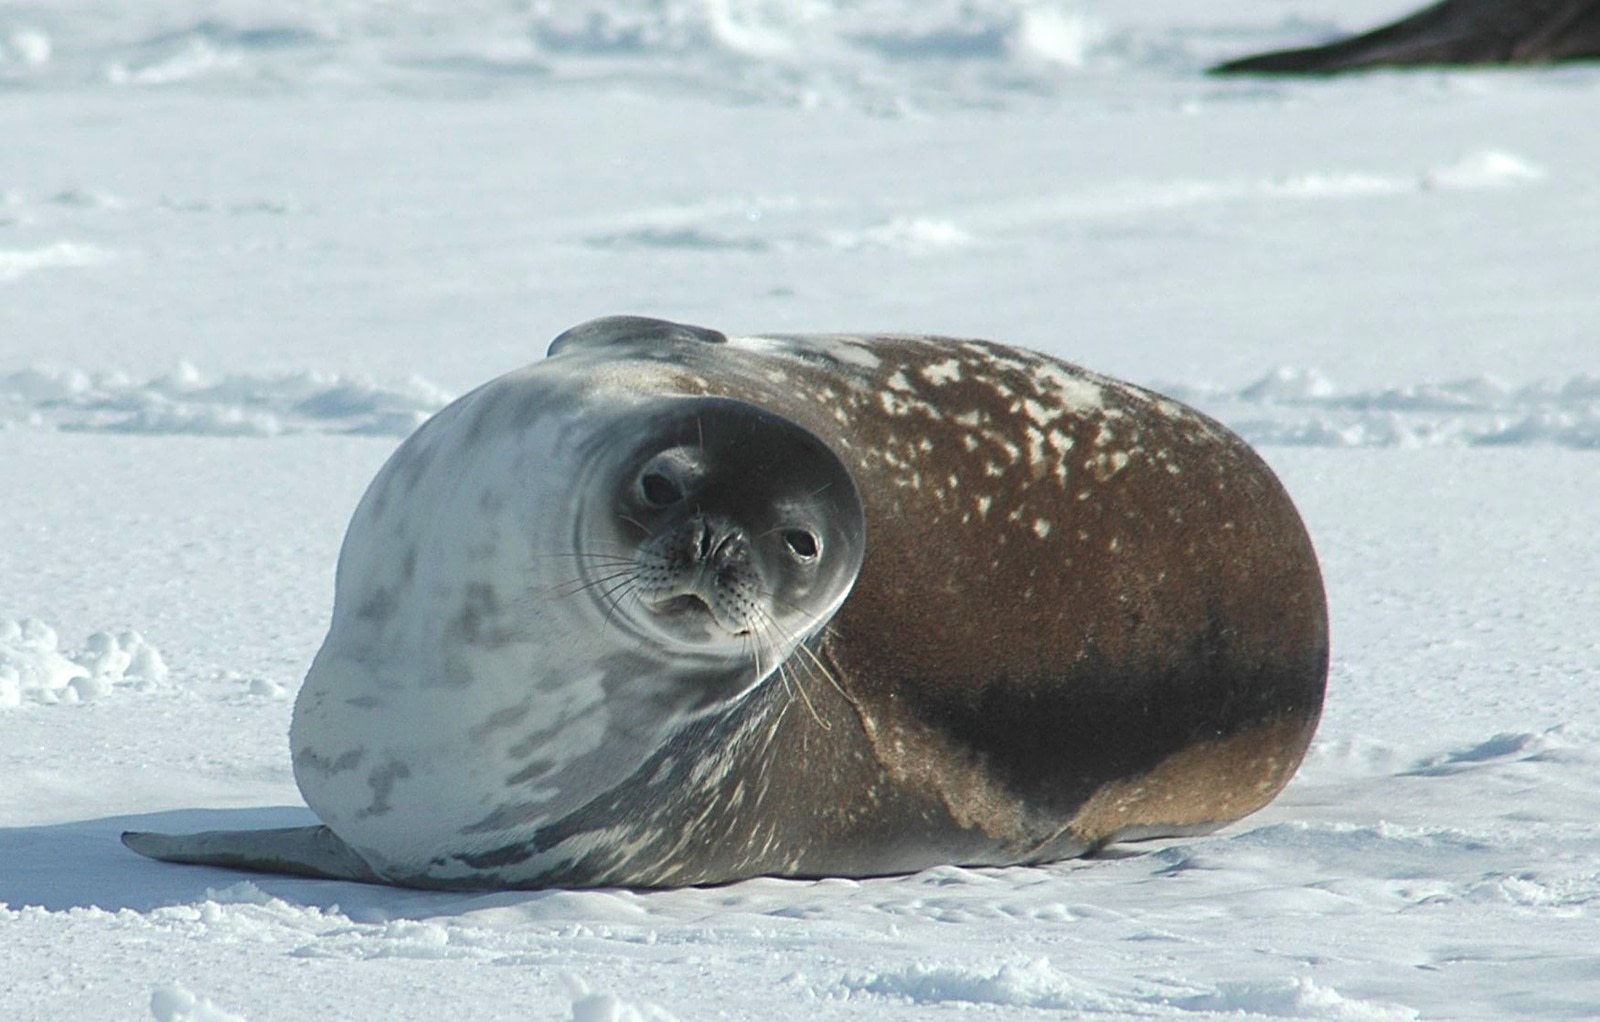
(1302, 407)
(874, 54)
(887, 57)
(1287, 407)
(789, 223)
(186, 402)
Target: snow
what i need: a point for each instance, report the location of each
(32, 667)
(245, 247)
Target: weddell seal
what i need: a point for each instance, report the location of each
(672, 608)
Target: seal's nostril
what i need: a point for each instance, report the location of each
(725, 545)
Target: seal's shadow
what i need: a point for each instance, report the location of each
(84, 865)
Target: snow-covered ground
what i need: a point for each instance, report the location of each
(246, 246)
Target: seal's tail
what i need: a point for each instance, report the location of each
(298, 851)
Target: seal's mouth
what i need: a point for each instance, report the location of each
(687, 605)
(691, 610)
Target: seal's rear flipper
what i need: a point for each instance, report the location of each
(299, 851)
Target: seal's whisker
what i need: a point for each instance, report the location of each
(816, 664)
(752, 646)
(786, 675)
(755, 639)
(614, 604)
(636, 595)
(635, 523)
(578, 585)
(800, 689)
(804, 648)
(600, 548)
(822, 668)
(788, 687)
(589, 558)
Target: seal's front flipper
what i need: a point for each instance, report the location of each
(299, 851)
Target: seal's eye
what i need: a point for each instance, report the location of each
(802, 544)
(659, 489)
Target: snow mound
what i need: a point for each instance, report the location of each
(175, 1003)
(34, 668)
(611, 1008)
(1489, 168)
(1551, 745)
(19, 262)
(589, 1005)
(186, 402)
(1289, 385)
(1030, 984)
(910, 235)
(782, 223)
(1294, 998)
(25, 48)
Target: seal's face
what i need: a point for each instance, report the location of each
(732, 533)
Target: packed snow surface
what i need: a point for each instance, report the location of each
(245, 247)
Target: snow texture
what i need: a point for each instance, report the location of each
(245, 247)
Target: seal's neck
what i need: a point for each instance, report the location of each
(760, 787)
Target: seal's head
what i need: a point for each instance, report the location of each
(722, 532)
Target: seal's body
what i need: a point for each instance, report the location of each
(673, 608)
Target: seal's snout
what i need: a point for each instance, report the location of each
(700, 579)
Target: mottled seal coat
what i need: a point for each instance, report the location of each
(1010, 611)
(1453, 32)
